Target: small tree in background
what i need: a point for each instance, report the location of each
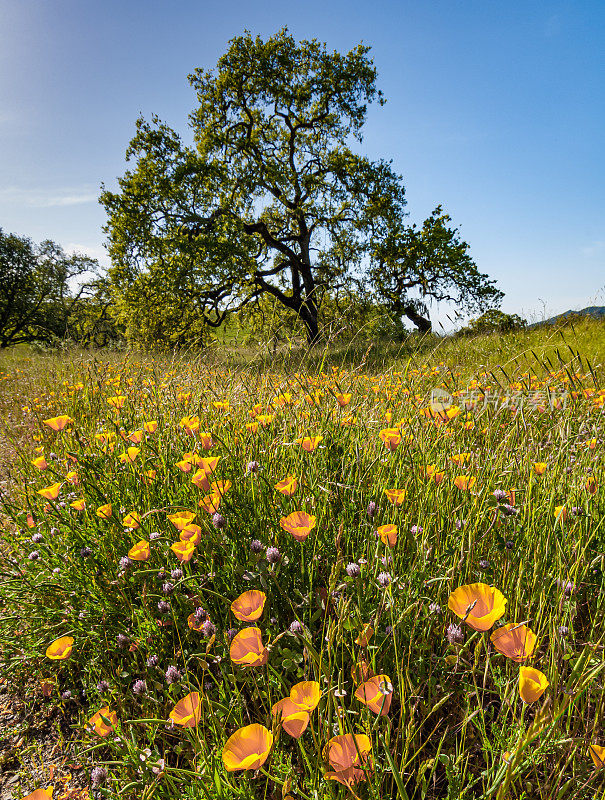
(493, 321)
(40, 289)
(413, 266)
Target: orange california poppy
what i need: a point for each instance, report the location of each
(208, 464)
(149, 476)
(181, 519)
(150, 426)
(309, 443)
(140, 552)
(597, 753)
(190, 424)
(210, 503)
(104, 721)
(78, 505)
(40, 463)
(206, 440)
(50, 492)
(391, 438)
(306, 695)
(287, 486)
(220, 487)
(58, 423)
(532, 684)
(434, 475)
(282, 400)
(188, 711)
(249, 606)
(191, 533)
(193, 458)
(129, 457)
(465, 482)
(136, 437)
(591, 485)
(132, 520)
(116, 402)
(561, 513)
(388, 534)
(293, 718)
(376, 693)
(366, 634)
(361, 671)
(252, 427)
(247, 748)
(395, 496)
(195, 623)
(514, 641)
(540, 468)
(478, 604)
(41, 794)
(461, 458)
(347, 754)
(343, 399)
(200, 479)
(299, 524)
(60, 649)
(183, 550)
(247, 648)
(104, 512)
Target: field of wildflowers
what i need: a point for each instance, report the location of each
(311, 583)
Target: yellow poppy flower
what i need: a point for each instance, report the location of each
(478, 604)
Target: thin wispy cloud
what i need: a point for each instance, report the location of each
(92, 250)
(39, 198)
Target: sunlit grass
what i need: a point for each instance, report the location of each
(331, 514)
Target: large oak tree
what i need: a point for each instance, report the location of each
(268, 199)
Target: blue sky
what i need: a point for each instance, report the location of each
(494, 110)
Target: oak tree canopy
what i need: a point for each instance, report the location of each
(270, 198)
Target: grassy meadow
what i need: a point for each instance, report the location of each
(283, 575)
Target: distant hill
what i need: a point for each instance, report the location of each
(598, 312)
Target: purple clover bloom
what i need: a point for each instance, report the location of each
(384, 579)
(172, 675)
(219, 521)
(454, 634)
(98, 776)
